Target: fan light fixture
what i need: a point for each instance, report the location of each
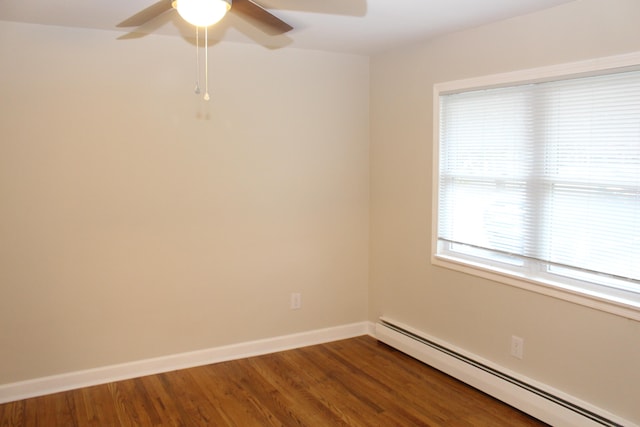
(202, 13)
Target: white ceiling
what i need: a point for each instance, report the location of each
(352, 26)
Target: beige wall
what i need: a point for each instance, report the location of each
(587, 353)
(137, 221)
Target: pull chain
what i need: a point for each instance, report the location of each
(206, 64)
(197, 90)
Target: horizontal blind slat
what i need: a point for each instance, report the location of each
(547, 171)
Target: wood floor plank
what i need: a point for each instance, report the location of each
(197, 403)
(95, 406)
(354, 382)
(361, 379)
(344, 411)
(169, 412)
(350, 396)
(254, 378)
(296, 404)
(12, 414)
(221, 389)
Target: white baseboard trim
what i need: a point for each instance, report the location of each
(86, 378)
(539, 400)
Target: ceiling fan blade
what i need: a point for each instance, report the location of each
(267, 22)
(147, 14)
(330, 7)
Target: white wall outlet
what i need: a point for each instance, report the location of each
(517, 347)
(296, 301)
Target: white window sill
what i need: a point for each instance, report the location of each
(628, 307)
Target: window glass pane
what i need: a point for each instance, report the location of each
(484, 214)
(592, 129)
(487, 134)
(595, 229)
(547, 174)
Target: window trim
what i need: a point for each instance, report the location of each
(619, 306)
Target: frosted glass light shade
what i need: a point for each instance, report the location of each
(203, 13)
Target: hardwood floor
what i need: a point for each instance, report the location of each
(355, 382)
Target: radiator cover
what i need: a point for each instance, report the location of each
(538, 400)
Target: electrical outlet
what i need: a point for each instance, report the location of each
(296, 301)
(517, 347)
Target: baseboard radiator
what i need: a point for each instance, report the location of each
(540, 401)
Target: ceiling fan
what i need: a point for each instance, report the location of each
(213, 11)
(204, 13)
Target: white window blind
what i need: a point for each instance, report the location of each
(543, 180)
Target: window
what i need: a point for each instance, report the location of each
(538, 181)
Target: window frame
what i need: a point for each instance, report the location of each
(612, 302)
